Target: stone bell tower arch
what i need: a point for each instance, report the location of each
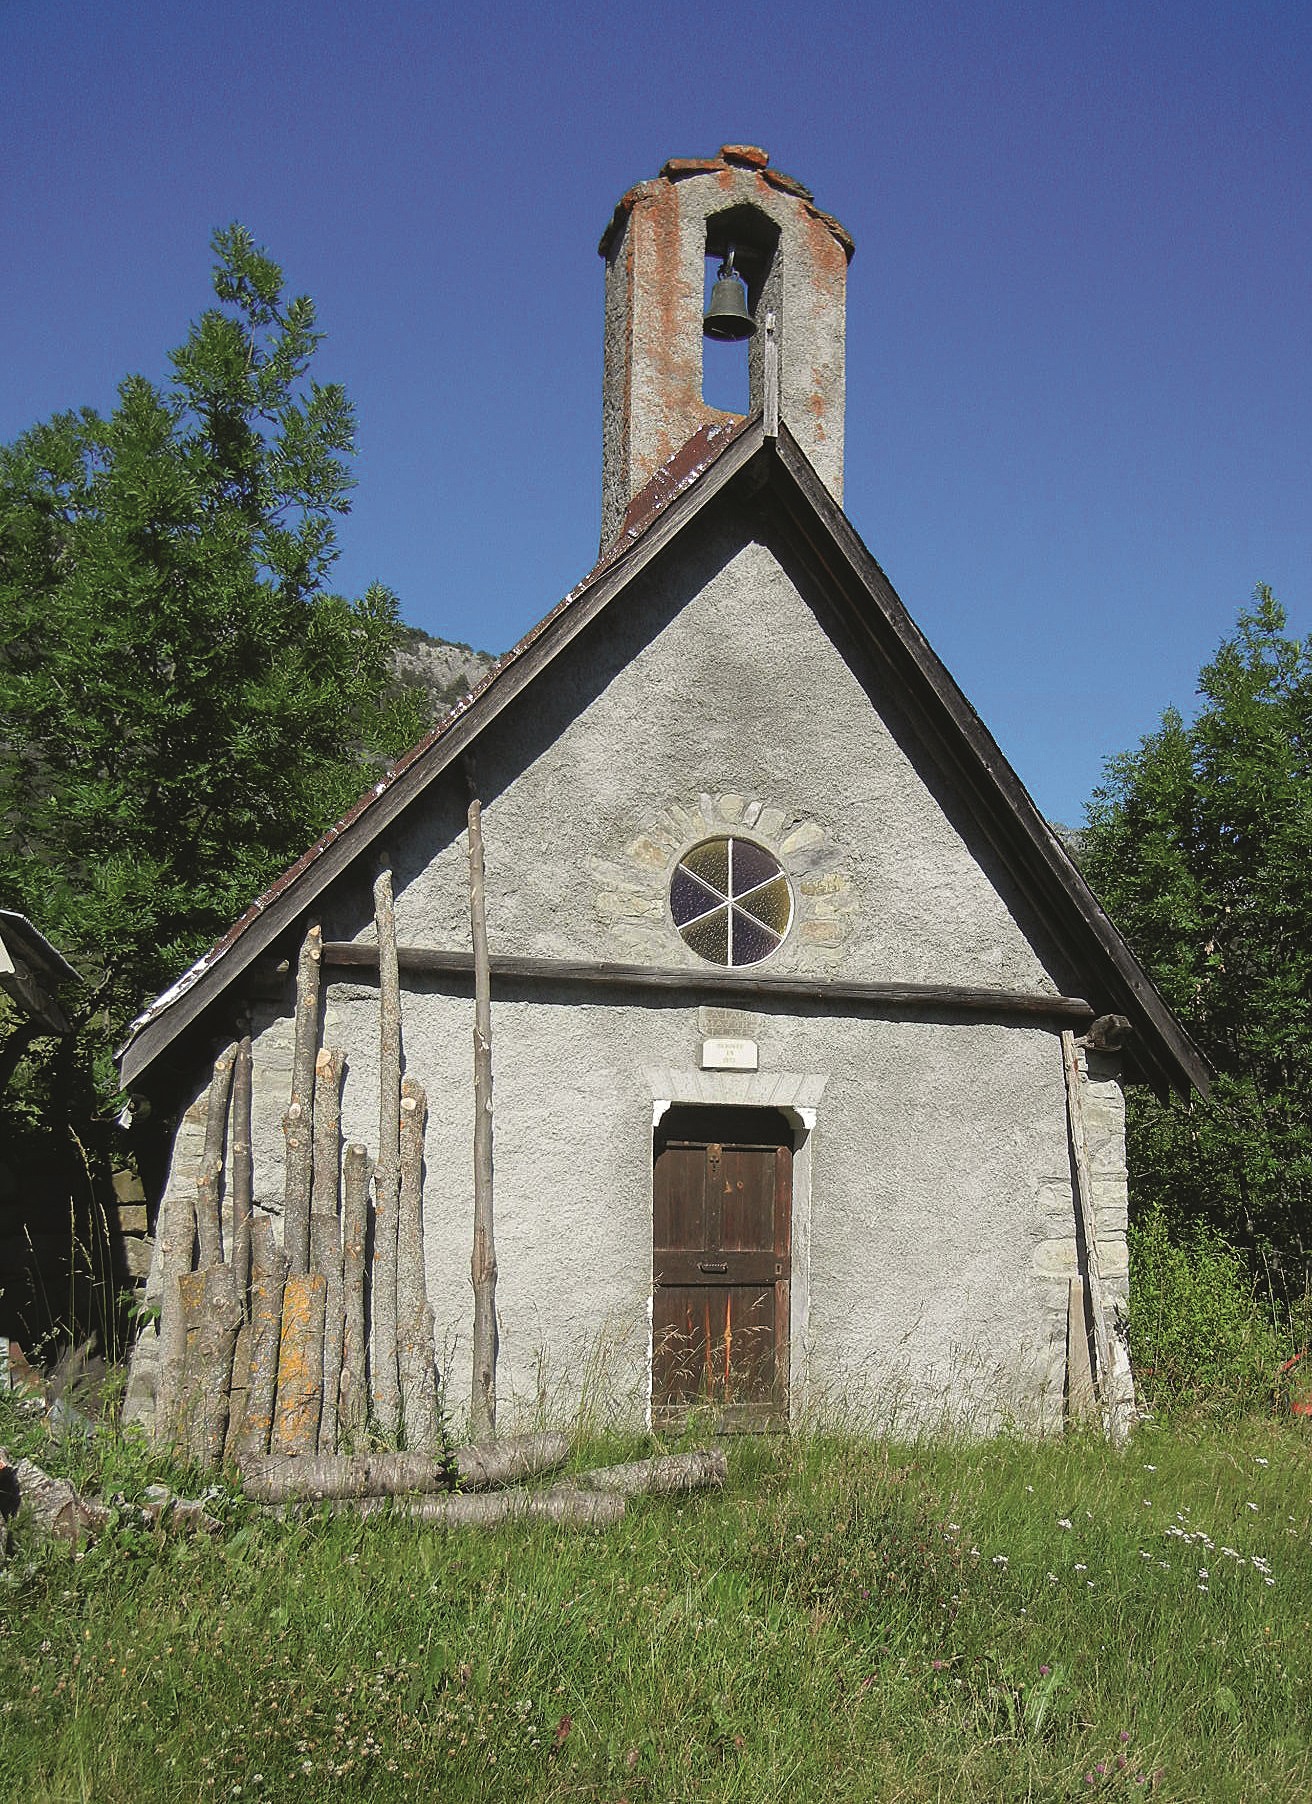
(794, 260)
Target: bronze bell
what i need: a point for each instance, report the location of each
(728, 316)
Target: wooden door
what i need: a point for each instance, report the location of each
(723, 1212)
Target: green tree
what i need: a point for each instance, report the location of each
(184, 703)
(1200, 844)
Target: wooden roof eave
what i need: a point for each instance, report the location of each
(826, 541)
(1008, 815)
(157, 1031)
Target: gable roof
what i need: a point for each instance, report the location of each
(798, 509)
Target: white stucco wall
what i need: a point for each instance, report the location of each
(933, 1263)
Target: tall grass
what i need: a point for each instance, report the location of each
(849, 1620)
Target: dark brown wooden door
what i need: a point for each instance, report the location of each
(723, 1209)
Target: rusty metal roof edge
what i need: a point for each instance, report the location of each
(669, 483)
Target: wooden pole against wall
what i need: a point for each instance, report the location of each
(387, 1173)
(414, 1317)
(268, 1276)
(177, 1236)
(353, 1405)
(297, 1122)
(1111, 1375)
(243, 1175)
(483, 1264)
(326, 1230)
(209, 1183)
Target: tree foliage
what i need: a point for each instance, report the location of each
(184, 703)
(1200, 844)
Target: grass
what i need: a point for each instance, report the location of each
(850, 1620)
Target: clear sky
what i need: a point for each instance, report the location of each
(1079, 362)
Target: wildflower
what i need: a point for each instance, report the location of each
(1125, 1734)
(1080, 1566)
(1052, 1578)
(1063, 1522)
(1260, 1462)
(1000, 1559)
(1044, 1671)
(1150, 1468)
(1250, 1506)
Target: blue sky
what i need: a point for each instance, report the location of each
(1080, 363)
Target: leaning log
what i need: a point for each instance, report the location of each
(387, 1173)
(177, 1234)
(209, 1181)
(678, 1472)
(565, 1509)
(213, 1318)
(300, 1365)
(297, 1122)
(243, 1171)
(414, 1319)
(353, 1397)
(268, 1276)
(483, 1260)
(326, 1231)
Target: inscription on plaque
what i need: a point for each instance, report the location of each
(729, 1055)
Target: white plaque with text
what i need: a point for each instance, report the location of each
(729, 1055)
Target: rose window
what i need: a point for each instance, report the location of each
(731, 901)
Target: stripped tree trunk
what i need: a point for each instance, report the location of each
(387, 1173)
(243, 1176)
(354, 1397)
(1113, 1380)
(300, 1365)
(326, 1231)
(484, 1466)
(483, 1263)
(296, 1125)
(275, 1478)
(209, 1182)
(268, 1275)
(413, 1315)
(278, 1478)
(177, 1234)
(566, 1509)
(696, 1471)
(213, 1319)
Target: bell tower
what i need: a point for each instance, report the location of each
(793, 261)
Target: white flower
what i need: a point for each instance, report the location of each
(1000, 1559)
(1063, 1522)
(1260, 1462)
(1080, 1567)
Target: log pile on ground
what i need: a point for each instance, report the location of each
(419, 1488)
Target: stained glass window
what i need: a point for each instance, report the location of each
(730, 901)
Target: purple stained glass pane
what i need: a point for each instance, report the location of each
(751, 941)
(690, 897)
(771, 905)
(709, 938)
(752, 864)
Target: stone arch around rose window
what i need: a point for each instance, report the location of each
(631, 893)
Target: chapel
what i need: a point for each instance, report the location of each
(807, 1038)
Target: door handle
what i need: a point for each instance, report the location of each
(712, 1265)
